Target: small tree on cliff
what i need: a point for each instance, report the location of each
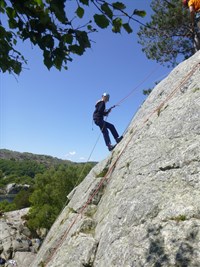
(47, 24)
(167, 38)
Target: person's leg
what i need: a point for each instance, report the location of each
(114, 132)
(112, 128)
(196, 42)
(197, 21)
(197, 32)
(104, 130)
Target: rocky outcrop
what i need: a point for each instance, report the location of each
(16, 188)
(140, 207)
(17, 247)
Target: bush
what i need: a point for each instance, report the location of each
(21, 200)
(50, 193)
(6, 206)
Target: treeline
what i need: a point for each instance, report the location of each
(13, 171)
(49, 187)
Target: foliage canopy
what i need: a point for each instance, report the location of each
(167, 38)
(50, 194)
(47, 24)
(49, 186)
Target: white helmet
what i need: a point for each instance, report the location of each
(106, 95)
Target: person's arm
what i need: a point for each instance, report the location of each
(192, 15)
(101, 108)
(106, 112)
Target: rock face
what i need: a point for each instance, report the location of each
(17, 247)
(141, 206)
(16, 188)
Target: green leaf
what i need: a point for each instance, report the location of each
(12, 24)
(17, 67)
(127, 27)
(68, 38)
(101, 21)
(58, 8)
(80, 12)
(118, 5)
(48, 41)
(76, 49)
(39, 2)
(83, 40)
(140, 13)
(10, 12)
(117, 24)
(47, 59)
(2, 6)
(105, 8)
(59, 54)
(89, 27)
(84, 2)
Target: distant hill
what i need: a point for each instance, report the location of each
(18, 156)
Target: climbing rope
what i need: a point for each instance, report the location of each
(80, 213)
(132, 91)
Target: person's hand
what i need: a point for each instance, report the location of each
(190, 33)
(192, 29)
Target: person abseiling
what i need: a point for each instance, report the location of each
(194, 8)
(98, 117)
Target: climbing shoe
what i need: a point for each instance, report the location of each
(118, 139)
(111, 147)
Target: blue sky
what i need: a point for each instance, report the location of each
(50, 112)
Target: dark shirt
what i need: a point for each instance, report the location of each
(100, 111)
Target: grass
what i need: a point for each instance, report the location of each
(196, 89)
(91, 211)
(179, 218)
(103, 172)
(128, 164)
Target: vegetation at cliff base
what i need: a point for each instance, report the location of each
(50, 193)
(48, 185)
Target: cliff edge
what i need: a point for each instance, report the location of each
(140, 207)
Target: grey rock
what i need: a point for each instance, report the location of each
(2, 191)
(42, 232)
(24, 258)
(16, 247)
(16, 188)
(20, 245)
(24, 231)
(140, 207)
(36, 243)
